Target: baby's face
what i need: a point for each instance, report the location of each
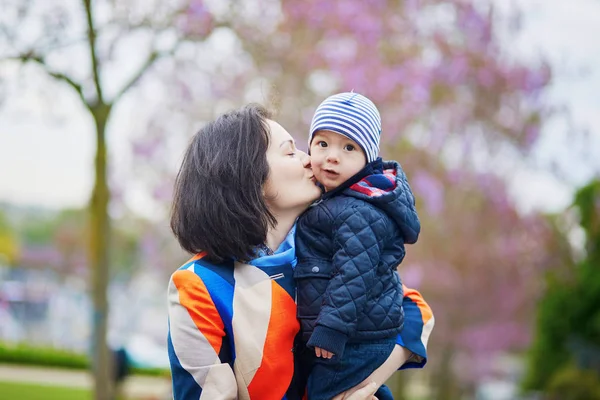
(335, 158)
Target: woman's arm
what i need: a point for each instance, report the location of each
(196, 334)
(411, 348)
(398, 357)
(365, 393)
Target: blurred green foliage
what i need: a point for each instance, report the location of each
(24, 354)
(28, 355)
(565, 358)
(26, 391)
(9, 245)
(572, 383)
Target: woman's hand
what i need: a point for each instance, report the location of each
(398, 357)
(365, 393)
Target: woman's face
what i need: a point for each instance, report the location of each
(291, 186)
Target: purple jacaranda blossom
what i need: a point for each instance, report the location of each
(382, 87)
(495, 337)
(453, 72)
(411, 7)
(485, 77)
(437, 137)
(476, 26)
(419, 94)
(197, 21)
(412, 275)
(163, 192)
(339, 50)
(430, 190)
(537, 79)
(145, 147)
(532, 133)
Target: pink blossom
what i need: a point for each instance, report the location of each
(197, 21)
(412, 275)
(430, 190)
(485, 77)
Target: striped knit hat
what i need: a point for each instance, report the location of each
(352, 115)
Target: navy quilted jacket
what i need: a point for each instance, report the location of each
(348, 246)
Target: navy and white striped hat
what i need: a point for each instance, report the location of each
(352, 115)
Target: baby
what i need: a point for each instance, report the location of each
(348, 245)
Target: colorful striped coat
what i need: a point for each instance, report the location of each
(232, 328)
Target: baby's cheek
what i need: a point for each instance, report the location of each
(317, 162)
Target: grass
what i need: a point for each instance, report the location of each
(27, 391)
(24, 354)
(49, 357)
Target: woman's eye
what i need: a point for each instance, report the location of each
(292, 154)
(348, 147)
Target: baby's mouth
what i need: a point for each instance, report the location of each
(330, 171)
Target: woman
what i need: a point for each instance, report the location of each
(232, 314)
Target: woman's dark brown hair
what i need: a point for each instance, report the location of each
(219, 206)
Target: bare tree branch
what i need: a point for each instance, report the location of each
(136, 77)
(165, 23)
(44, 49)
(92, 48)
(152, 58)
(24, 58)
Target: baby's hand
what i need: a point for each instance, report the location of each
(323, 353)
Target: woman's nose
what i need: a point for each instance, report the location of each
(305, 159)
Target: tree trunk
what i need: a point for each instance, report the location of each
(397, 384)
(446, 386)
(99, 256)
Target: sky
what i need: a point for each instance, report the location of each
(47, 148)
(561, 32)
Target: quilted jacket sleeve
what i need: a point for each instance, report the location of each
(359, 234)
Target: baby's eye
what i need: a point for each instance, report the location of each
(349, 147)
(321, 143)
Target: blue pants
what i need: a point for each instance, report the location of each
(328, 378)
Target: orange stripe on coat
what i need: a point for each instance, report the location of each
(273, 377)
(194, 296)
(197, 256)
(415, 296)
